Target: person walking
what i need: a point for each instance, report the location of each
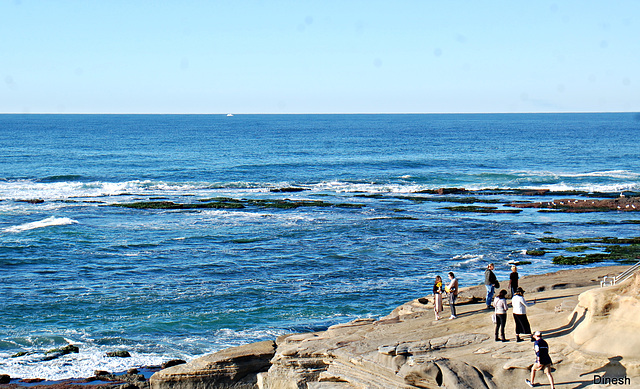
(520, 314)
(437, 297)
(500, 305)
(490, 282)
(452, 290)
(543, 360)
(513, 280)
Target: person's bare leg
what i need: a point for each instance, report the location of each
(548, 372)
(533, 374)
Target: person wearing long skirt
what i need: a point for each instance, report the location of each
(520, 314)
(437, 297)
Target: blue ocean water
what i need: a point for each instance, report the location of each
(167, 284)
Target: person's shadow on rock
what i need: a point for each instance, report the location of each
(613, 369)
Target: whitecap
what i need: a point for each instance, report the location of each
(466, 259)
(48, 222)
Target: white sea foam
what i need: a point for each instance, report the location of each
(467, 259)
(80, 365)
(48, 222)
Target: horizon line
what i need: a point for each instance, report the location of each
(308, 113)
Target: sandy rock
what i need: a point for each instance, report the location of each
(609, 321)
(234, 366)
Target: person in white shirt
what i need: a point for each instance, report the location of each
(452, 290)
(520, 314)
(500, 305)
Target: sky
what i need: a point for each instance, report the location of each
(252, 56)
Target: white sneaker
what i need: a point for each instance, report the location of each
(528, 383)
(453, 317)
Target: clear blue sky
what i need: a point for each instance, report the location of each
(325, 56)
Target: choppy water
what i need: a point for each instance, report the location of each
(166, 284)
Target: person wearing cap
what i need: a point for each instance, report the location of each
(543, 360)
(520, 314)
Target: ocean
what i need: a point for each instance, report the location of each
(320, 219)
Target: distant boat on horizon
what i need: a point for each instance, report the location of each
(229, 114)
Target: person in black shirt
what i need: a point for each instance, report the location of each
(543, 360)
(513, 280)
(437, 297)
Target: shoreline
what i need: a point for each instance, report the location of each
(563, 287)
(409, 349)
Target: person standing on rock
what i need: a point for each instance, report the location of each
(500, 304)
(437, 297)
(491, 283)
(513, 280)
(543, 360)
(520, 314)
(452, 290)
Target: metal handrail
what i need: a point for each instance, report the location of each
(625, 275)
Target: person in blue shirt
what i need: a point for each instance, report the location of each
(543, 360)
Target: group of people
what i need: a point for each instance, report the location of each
(452, 292)
(500, 307)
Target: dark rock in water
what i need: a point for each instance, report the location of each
(119, 354)
(58, 352)
(621, 203)
(135, 379)
(133, 371)
(19, 354)
(5, 379)
(287, 190)
(100, 372)
(31, 201)
(32, 380)
(476, 209)
(173, 362)
(442, 191)
(536, 253)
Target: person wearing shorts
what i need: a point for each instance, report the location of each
(543, 360)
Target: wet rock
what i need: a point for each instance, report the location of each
(119, 354)
(31, 201)
(171, 363)
(5, 379)
(58, 352)
(287, 190)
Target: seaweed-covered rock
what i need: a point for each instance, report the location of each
(58, 352)
(119, 354)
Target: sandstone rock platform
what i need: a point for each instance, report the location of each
(590, 330)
